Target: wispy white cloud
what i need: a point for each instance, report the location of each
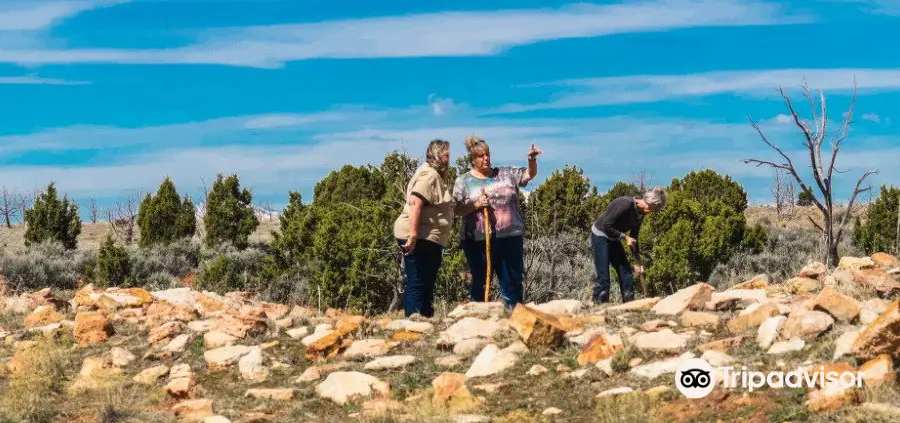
(871, 117)
(425, 35)
(591, 92)
(34, 15)
(879, 7)
(34, 80)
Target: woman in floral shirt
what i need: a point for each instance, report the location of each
(497, 189)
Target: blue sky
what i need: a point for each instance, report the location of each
(106, 97)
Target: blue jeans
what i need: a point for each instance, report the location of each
(507, 262)
(608, 252)
(421, 269)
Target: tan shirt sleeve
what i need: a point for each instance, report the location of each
(425, 187)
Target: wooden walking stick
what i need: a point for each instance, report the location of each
(487, 250)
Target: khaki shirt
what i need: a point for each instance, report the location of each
(436, 217)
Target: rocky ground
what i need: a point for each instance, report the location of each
(129, 355)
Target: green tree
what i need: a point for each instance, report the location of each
(164, 218)
(113, 264)
(878, 232)
(53, 219)
(560, 203)
(804, 199)
(230, 216)
(703, 225)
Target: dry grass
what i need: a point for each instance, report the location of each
(93, 234)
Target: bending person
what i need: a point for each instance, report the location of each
(624, 214)
(423, 228)
(496, 188)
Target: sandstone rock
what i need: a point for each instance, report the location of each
(843, 345)
(193, 410)
(659, 368)
(342, 387)
(180, 371)
(216, 419)
(643, 304)
(225, 356)
(753, 319)
(840, 306)
(271, 394)
(768, 331)
(881, 336)
(806, 324)
(92, 328)
(183, 297)
(477, 309)
(317, 335)
(492, 360)
(121, 357)
(871, 309)
(42, 316)
(408, 325)
(298, 333)
(162, 311)
(217, 339)
(559, 307)
(657, 324)
(813, 270)
(537, 370)
(717, 358)
(177, 345)
(450, 392)
(251, 366)
(240, 326)
(760, 281)
(537, 329)
(855, 263)
(783, 347)
(151, 375)
(369, 348)
(832, 397)
(722, 345)
(405, 335)
(878, 370)
(180, 387)
(691, 319)
(803, 285)
(875, 278)
(469, 328)
(552, 411)
(388, 363)
(615, 391)
(691, 298)
(449, 361)
(200, 326)
(599, 348)
(885, 259)
(662, 341)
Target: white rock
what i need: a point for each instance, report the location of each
(217, 339)
(409, 325)
(552, 411)
(311, 339)
(200, 326)
(658, 368)
(369, 348)
(477, 309)
(768, 331)
(537, 370)
(492, 360)
(448, 361)
(392, 362)
(177, 345)
(786, 346)
(472, 418)
(342, 387)
(216, 419)
(469, 328)
(298, 333)
(469, 347)
(225, 356)
(560, 307)
(661, 341)
(177, 296)
(843, 345)
(121, 357)
(180, 371)
(717, 358)
(616, 391)
(251, 366)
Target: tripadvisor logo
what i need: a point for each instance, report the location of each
(696, 378)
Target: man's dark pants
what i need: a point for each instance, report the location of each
(608, 252)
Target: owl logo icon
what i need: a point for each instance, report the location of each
(695, 378)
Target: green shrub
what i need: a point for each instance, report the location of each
(164, 218)
(703, 225)
(804, 199)
(52, 219)
(559, 204)
(230, 216)
(113, 264)
(48, 264)
(879, 230)
(230, 269)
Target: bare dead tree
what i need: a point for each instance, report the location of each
(122, 217)
(24, 201)
(9, 207)
(93, 210)
(642, 181)
(782, 190)
(832, 226)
